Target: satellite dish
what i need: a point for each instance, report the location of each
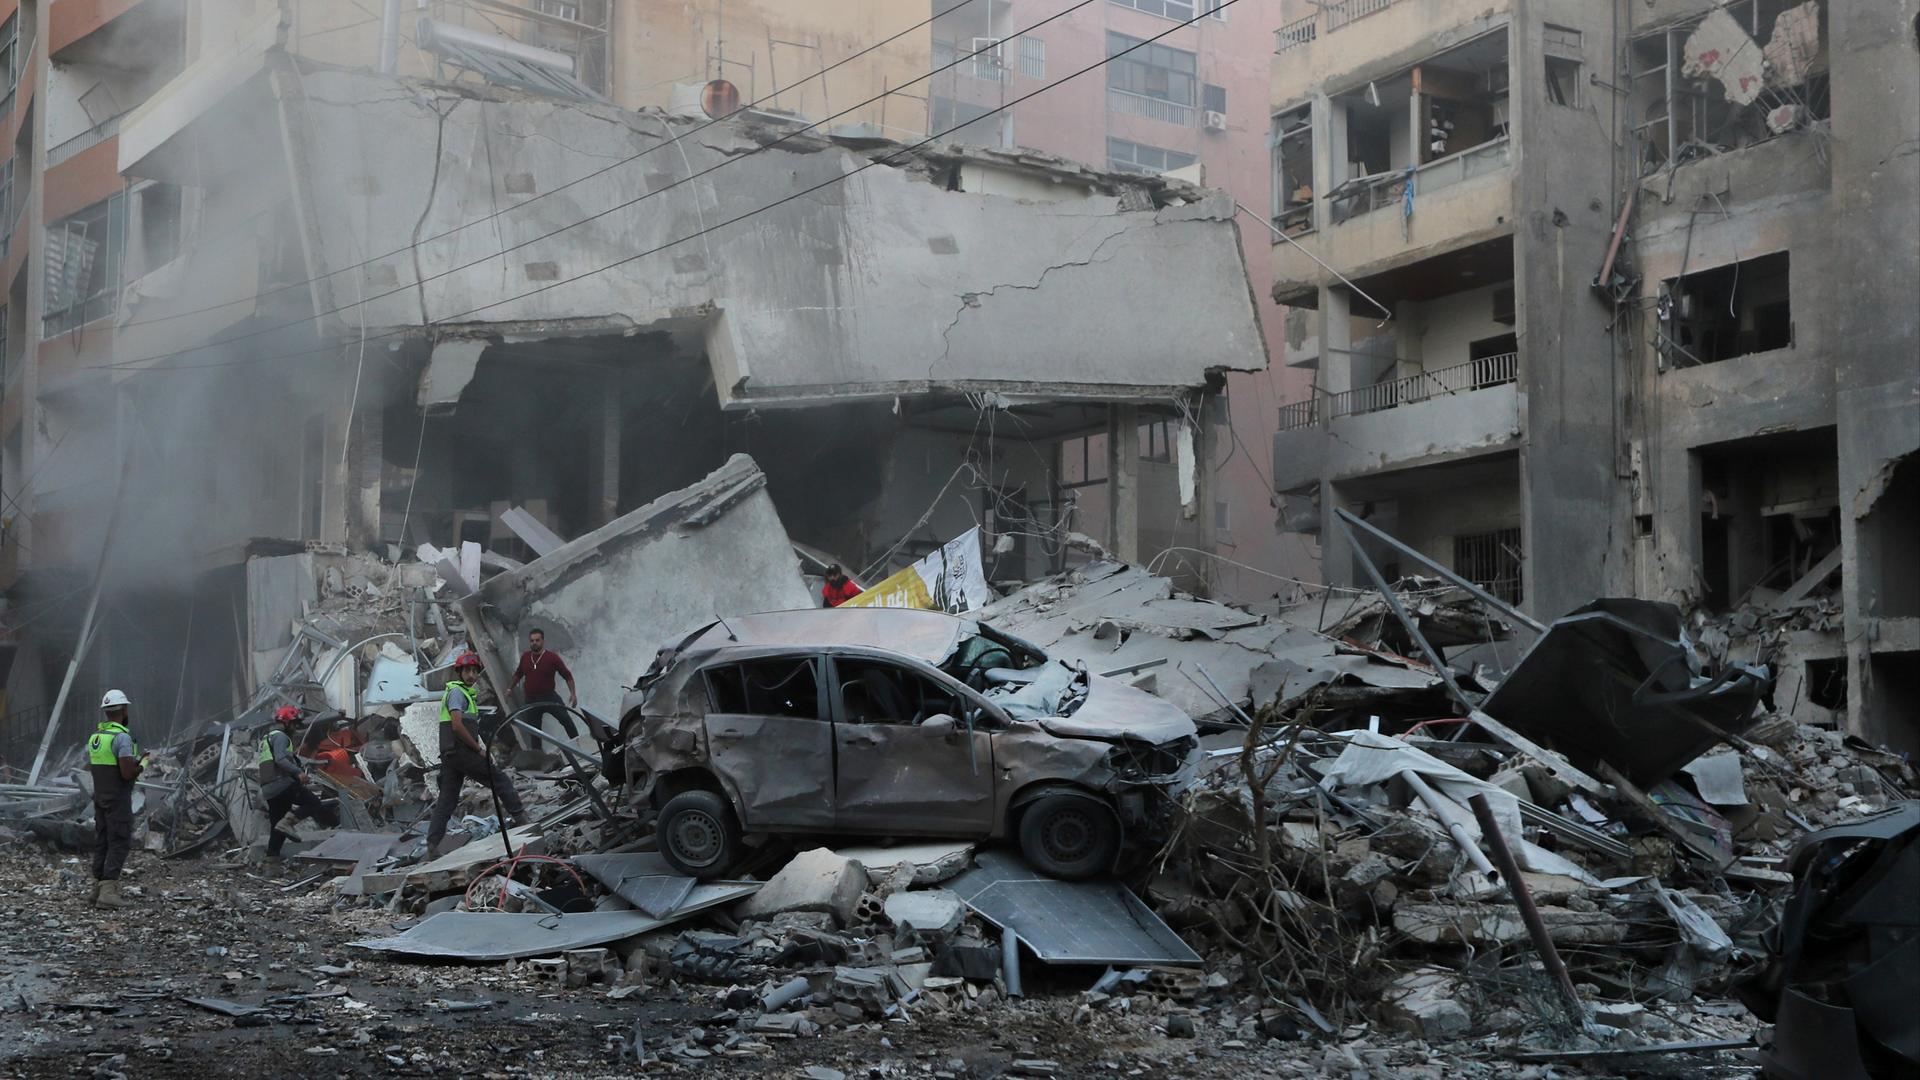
(720, 99)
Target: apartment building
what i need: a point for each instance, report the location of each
(275, 293)
(1616, 298)
(1191, 103)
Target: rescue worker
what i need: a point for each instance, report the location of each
(462, 756)
(115, 760)
(837, 588)
(283, 783)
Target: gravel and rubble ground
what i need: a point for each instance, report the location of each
(90, 993)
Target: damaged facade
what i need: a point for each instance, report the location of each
(1577, 326)
(904, 338)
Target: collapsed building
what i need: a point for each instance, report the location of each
(432, 303)
(1565, 273)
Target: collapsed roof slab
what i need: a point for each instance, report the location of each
(608, 600)
(811, 273)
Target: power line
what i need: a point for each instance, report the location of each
(556, 190)
(878, 160)
(490, 256)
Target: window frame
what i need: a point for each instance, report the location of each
(987, 716)
(1148, 60)
(1158, 8)
(79, 311)
(1138, 168)
(811, 657)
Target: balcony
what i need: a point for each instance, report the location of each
(1459, 379)
(1152, 108)
(1455, 201)
(1311, 50)
(1445, 414)
(1336, 15)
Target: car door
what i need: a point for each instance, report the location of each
(769, 739)
(892, 775)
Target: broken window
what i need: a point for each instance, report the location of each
(1129, 157)
(159, 226)
(1727, 311)
(877, 692)
(780, 686)
(83, 254)
(1770, 519)
(1740, 75)
(1156, 72)
(1293, 171)
(1490, 560)
(1563, 81)
(1563, 49)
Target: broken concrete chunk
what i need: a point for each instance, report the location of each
(1421, 1003)
(1490, 924)
(934, 912)
(816, 880)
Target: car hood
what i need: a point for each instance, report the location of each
(1114, 710)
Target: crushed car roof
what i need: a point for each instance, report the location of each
(929, 635)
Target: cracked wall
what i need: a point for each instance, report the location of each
(880, 283)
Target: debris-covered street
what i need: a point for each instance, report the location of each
(960, 539)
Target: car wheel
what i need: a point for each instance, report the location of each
(698, 834)
(1069, 837)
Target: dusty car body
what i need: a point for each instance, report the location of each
(887, 722)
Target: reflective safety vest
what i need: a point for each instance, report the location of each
(266, 745)
(467, 710)
(100, 743)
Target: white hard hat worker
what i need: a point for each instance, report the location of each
(114, 699)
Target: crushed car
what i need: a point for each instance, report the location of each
(877, 722)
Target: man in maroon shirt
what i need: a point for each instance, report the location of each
(538, 667)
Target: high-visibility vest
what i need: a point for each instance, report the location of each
(473, 702)
(100, 743)
(266, 745)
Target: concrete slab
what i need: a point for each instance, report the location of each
(934, 861)
(815, 880)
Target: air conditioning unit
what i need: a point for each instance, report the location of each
(1216, 121)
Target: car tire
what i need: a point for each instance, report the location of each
(698, 834)
(1069, 837)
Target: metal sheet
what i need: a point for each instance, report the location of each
(494, 936)
(351, 847)
(1718, 780)
(1070, 922)
(394, 682)
(641, 878)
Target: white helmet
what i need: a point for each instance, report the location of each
(114, 699)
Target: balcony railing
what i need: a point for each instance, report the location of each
(1300, 414)
(1459, 379)
(1297, 32)
(1346, 11)
(1337, 15)
(1366, 194)
(1152, 108)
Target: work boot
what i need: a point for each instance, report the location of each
(109, 896)
(95, 898)
(271, 863)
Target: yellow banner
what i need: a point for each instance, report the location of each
(906, 589)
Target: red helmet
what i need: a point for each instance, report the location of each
(286, 714)
(467, 659)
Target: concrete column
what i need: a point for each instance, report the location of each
(1336, 555)
(1123, 481)
(1329, 155)
(603, 497)
(366, 438)
(1336, 340)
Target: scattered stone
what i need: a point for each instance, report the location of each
(1422, 1003)
(934, 913)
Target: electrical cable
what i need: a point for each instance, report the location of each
(256, 297)
(881, 159)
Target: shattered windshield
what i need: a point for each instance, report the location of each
(1016, 675)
